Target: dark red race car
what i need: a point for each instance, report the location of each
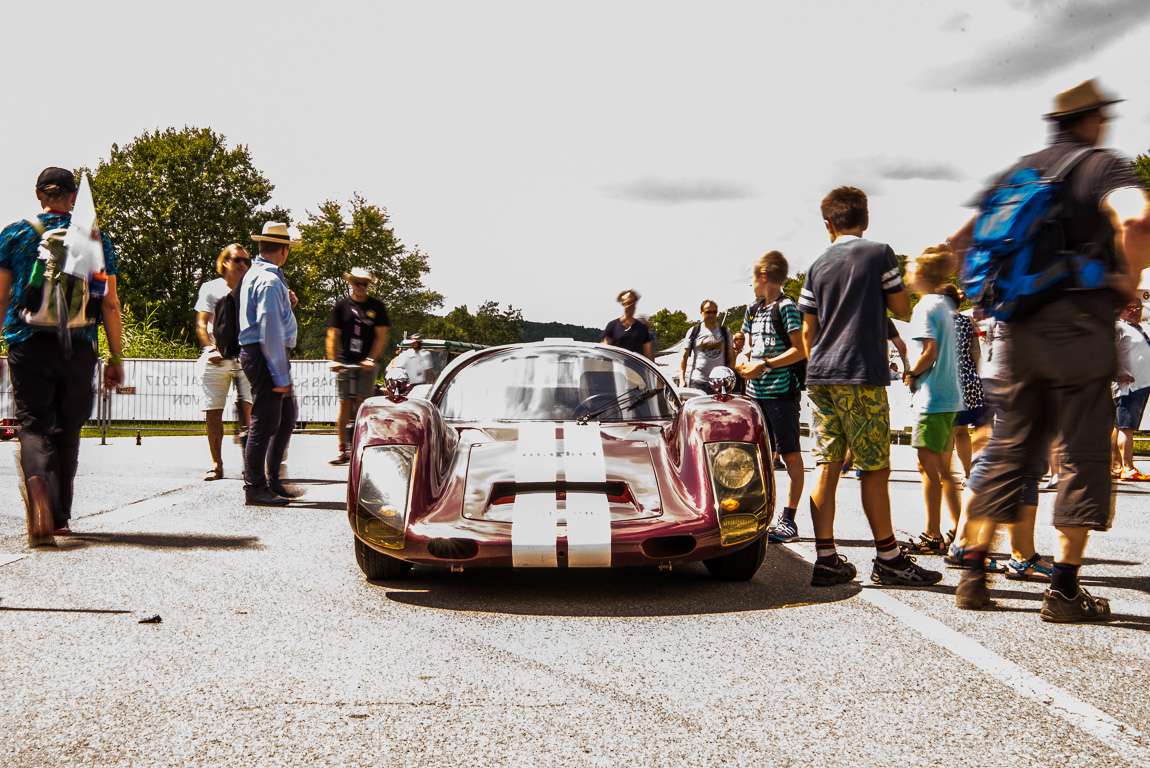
(559, 454)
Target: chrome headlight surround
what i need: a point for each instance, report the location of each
(740, 492)
(384, 494)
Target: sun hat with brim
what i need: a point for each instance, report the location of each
(276, 232)
(358, 273)
(1084, 97)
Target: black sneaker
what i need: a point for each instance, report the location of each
(828, 575)
(902, 571)
(1083, 607)
(972, 594)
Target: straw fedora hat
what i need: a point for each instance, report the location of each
(276, 232)
(1084, 97)
(358, 273)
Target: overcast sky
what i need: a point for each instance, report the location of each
(547, 155)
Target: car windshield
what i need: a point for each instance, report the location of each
(541, 384)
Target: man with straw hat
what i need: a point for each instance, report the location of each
(267, 336)
(356, 335)
(1058, 360)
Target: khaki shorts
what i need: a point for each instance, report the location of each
(850, 415)
(356, 383)
(215, 381)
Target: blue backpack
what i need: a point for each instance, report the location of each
(1017, 261)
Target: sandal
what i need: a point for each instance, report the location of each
(955, 560)
(214, 474)
(1029, 570)
(924, 545)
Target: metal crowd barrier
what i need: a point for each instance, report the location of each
(164, 396)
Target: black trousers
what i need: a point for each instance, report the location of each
(272, 422)
(53, 399)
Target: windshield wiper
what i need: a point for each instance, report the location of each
(639, 396)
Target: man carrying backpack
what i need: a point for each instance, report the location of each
(1059, 348)
(215, 369)
(51, 371)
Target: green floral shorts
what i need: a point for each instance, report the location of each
(850, 415)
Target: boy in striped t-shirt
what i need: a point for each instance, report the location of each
(773, 327)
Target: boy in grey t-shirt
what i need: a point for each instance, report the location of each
(844, 302)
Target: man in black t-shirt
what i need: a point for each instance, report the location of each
(628, 331)
(1057, 364)
(356, 335)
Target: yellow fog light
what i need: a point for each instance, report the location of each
(736, 528)
(729, 505)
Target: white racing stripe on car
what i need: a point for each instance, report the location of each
(534, 515)
(588, 514)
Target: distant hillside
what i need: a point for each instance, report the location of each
(539, 331)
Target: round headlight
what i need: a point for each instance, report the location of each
(734, 467)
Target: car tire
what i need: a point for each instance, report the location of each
(377, 566)
(741, 565)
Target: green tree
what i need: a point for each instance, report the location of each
(333, 243)
(170, 201)
(1142, 169)
(668, 328)
(489, 325)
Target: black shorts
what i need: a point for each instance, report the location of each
(783, 418)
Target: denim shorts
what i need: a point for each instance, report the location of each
(783, 418)
(1131, 407)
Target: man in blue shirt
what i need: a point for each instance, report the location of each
(267, 335)
(52, 380)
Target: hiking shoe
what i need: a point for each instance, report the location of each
(829, 575)
(972, 594)
(1083, 607)
(925, 545)
(902, 571)
(343, 457)
(784, 531)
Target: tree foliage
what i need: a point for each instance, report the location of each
(668, 327)
(333, 243)
(170, 201)
(1142, 169)
(489, 325)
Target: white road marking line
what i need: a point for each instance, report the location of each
(534, 515)
(1118, 736)
(588, 514)
(6, 559)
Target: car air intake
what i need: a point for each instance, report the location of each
(453, 549)
(668, 546)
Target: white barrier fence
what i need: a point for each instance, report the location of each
(169, 390)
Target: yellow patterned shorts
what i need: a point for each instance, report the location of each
(850, 415)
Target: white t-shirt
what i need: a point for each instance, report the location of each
(1134, 358)
(416, 363)
(709, 350)
(211, 292)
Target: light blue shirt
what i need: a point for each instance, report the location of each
(938, 389)
(266, 317)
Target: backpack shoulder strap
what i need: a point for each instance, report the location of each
(777, 321)
(1063, 169)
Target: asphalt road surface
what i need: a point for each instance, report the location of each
(272, 649)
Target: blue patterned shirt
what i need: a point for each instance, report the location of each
(19, 245)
